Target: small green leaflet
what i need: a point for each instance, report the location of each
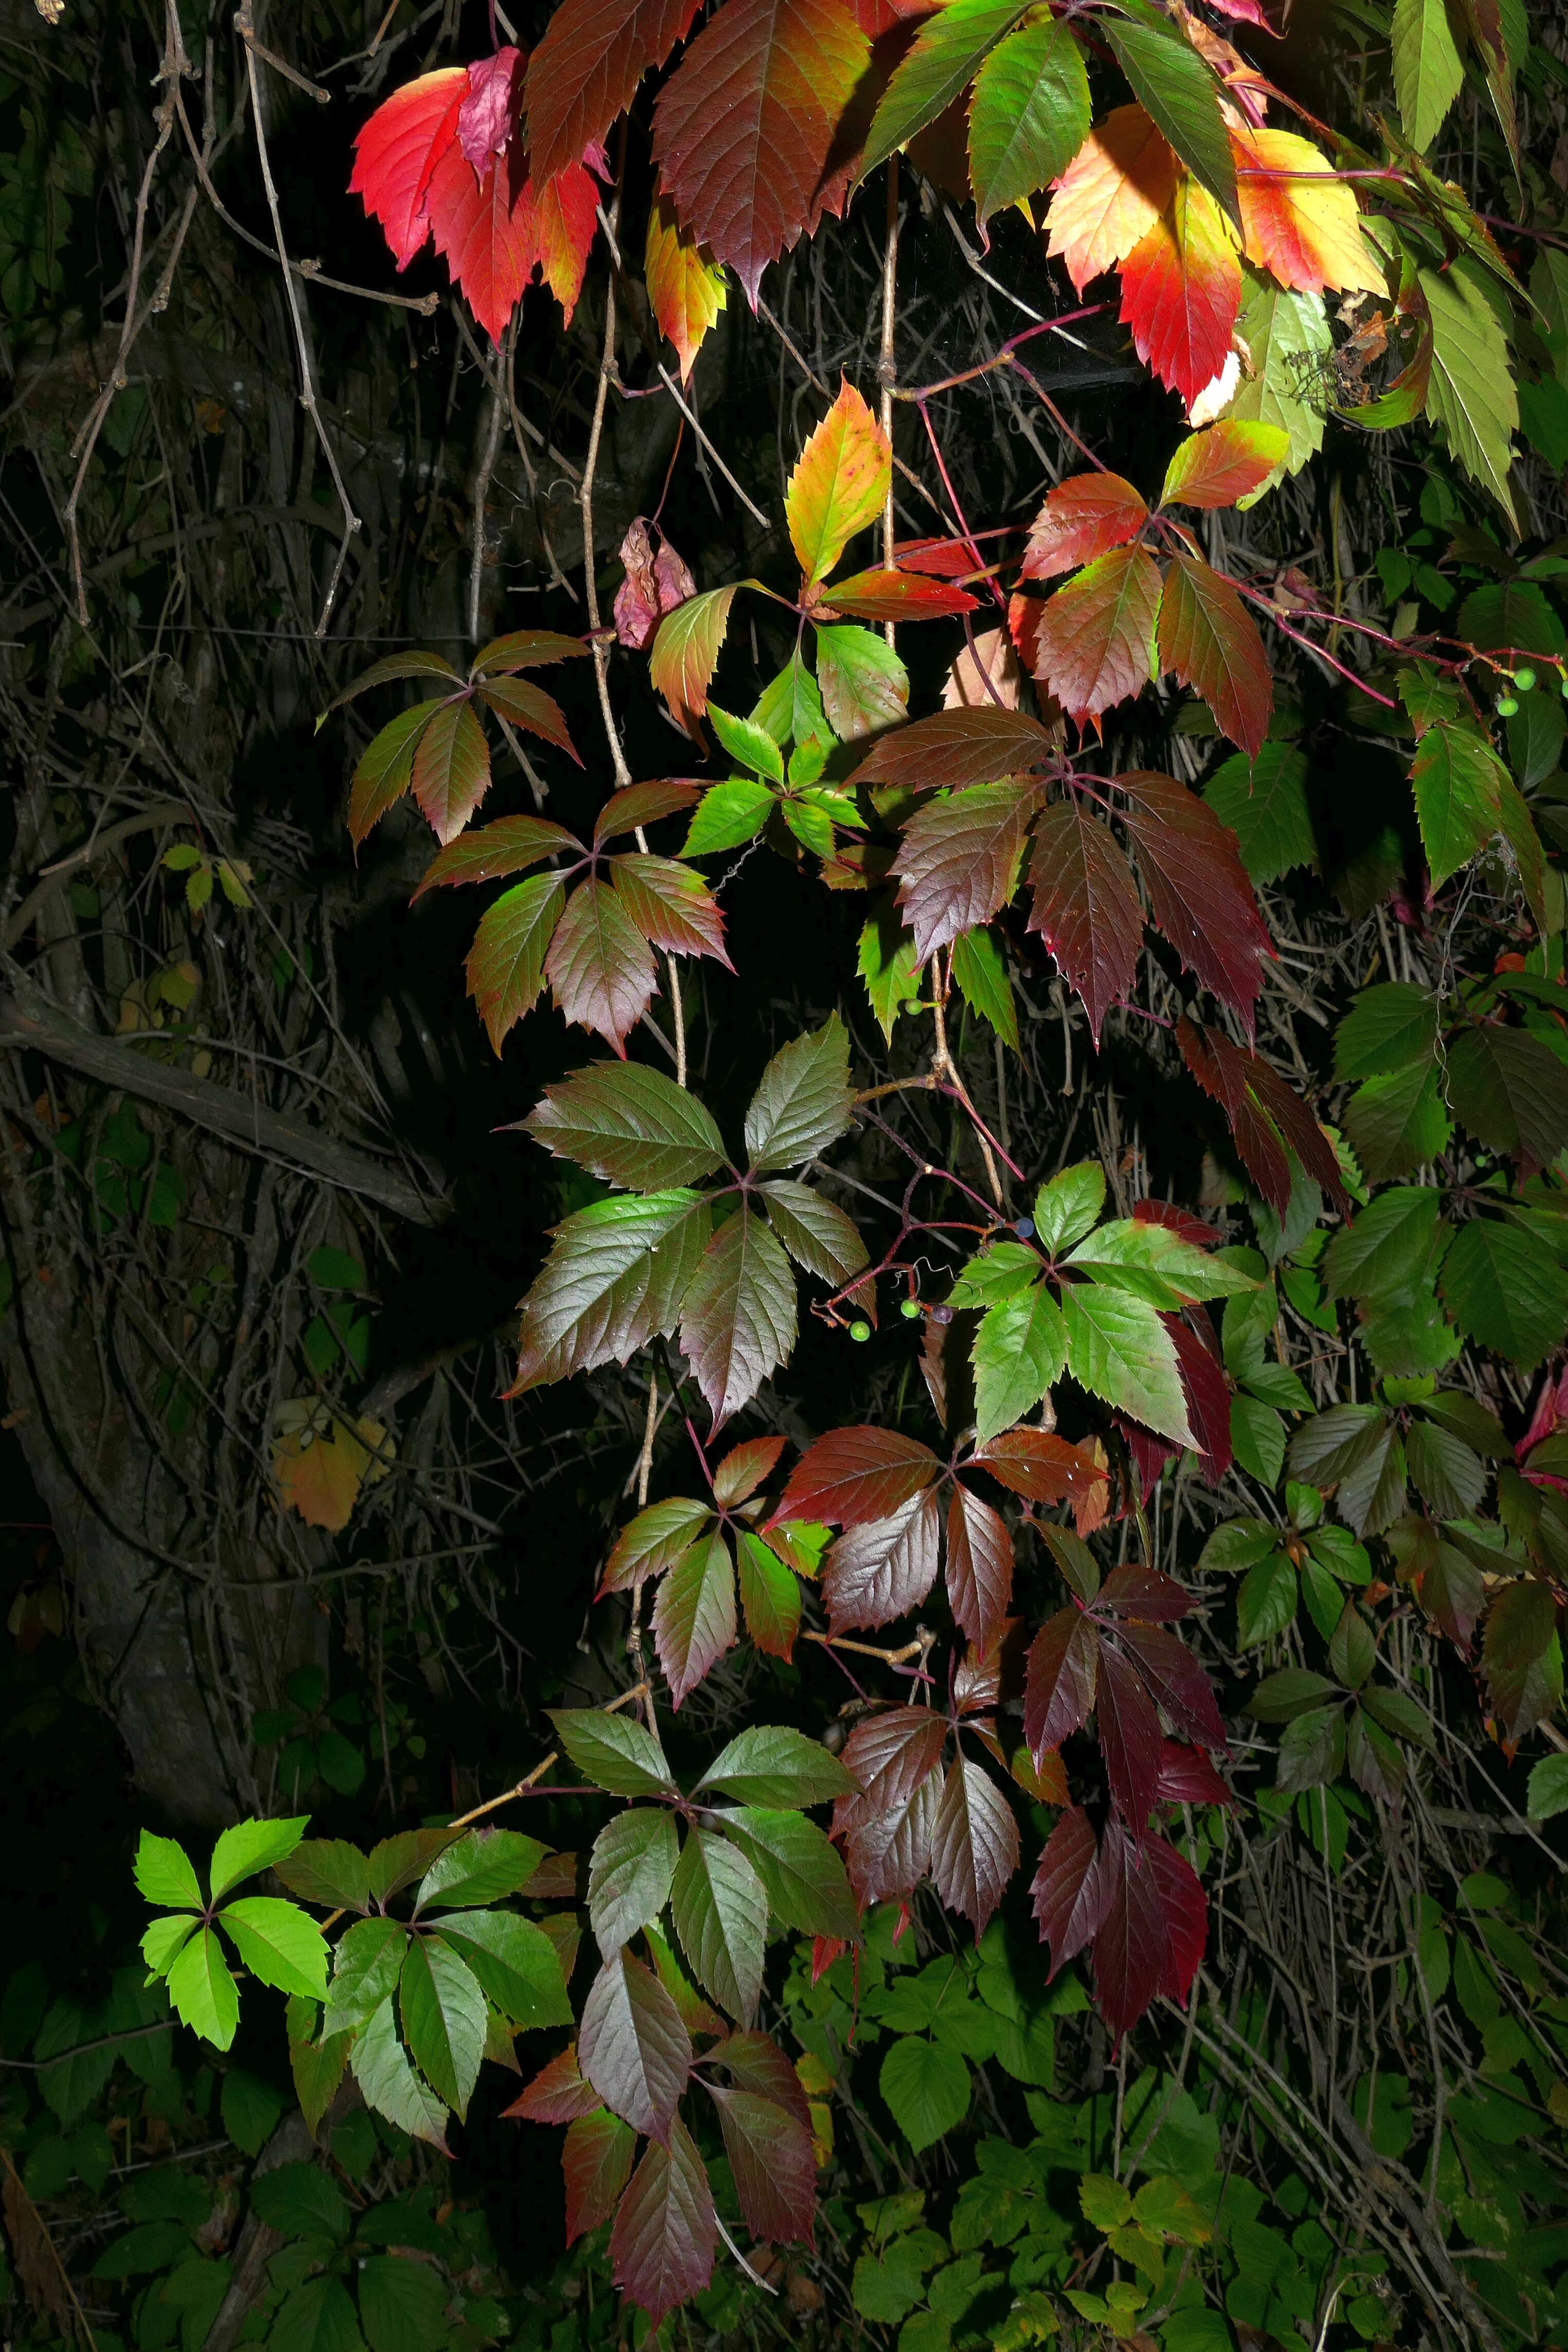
(1120, 1350)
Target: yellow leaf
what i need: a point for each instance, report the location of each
(839, 483)
(686, 290)
(1111, 196)
(1303, 228)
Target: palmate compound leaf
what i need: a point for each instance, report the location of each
(974, 1843)
(1029, 114)
(666, 2229)
(1096, 643)
(1086, 516)
(630, 1125)
(747, 132)
(1180, 291)
(1198, 889)
(958, 861)
(632, 2047)
(738, 1321)
(839, 483)
(1111, 193)
(617, 1273)
(720, 1908)
(1085, 906)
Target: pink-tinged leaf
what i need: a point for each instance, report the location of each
(757, 2065)
(597, 2161)
(661, 2248)
(694, 1616)
(1145, 1593)
(1188, 1777)
(524, 704)
(632, 2047)
(773, 2163)
(1207, 1392)
(1040, 1467)
(738, 1322)
(979, 1565)
(855, 1474)
(1096, 634)
(1129, 1732)
(566, 218)
(671, 905)
(505, 966)
(489, 114)
(656, 582)
(1177, 1681)
(1187, 1916)
(888, 1857)
(896, 596)
(982, 1678)
(1111, 194)
(638, 804)
(1180, 291)
(1061, 1679)
(1223, 465)
(1074, 1887)
(686, 290)
(398, 149)
(974, 1843)
(1086, 516)
(599, 967)
(1209, 641)
(1132, 1951)
(891, 1756)
(1198, 890)
(557, 2094)
(526, 649)
(451, 773)
(839, 483)
(586, 68)
(956, 749)
(507, 847)
(1086, 908)
(958, 862)
(743, 1469)
(686, 653)
(881, 1569)
(747, 128)
(486, 231)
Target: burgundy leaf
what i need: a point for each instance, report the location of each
(1205, 1386)
(955, 749)
(1198, 888)
(890, 1755)
(637, 804)
(557, 2094)
(1135, 1592)
(758, 2064)
(974, 1843)
(1192, 1229)
(1060, 1687)
(632, 2045)
(1129, 1732)
(586, 68)
(1086, 908)
(984, 1677)
(1177, 1682)
(887, 1858)
(654, 585)
(1298, 1128)
(1188, 1777)
(773, 2163)
(1074, 1887)
(599, 965)
(852, 1475)
(1186, 1915)
(597, 2162)
(1041, 1467)
(661, 2248)
(1220, 1069)
(1132, 1951)
(979, 1565)
(1150, 1454)
(881, 1569)
(959, 860)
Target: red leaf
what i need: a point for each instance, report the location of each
(747, 133)
(586, 68)
(566, 217)
(759, 2065)
(632, 2045)
(959, 859)
(974, 1843)
(1059, 1685)
(1187, 1777)
(896, 596)
(1086, 516)
(1039, 1466)
(1150, 1454)
(1187, 1916)
(1181, 290)
(1132, 1951)
(1209, 641)
(942, 559)
(1143, 1593)
(882, 1568)
(743, 1469)
(486, 231)
(557, 2094)
(1097, 638)
(888, 1858)
(488, 113)
(397, 150)
(661, 2248)
(979, 1565)
(1298, 1128)
(1086, 908)
(825, 1950)
(1205, 1386)
(1074, 1887)
(855, 1474)
(1200, 1234)
(983, 1677)
(1177, 1681)
(891, 1756)
(1198, 889)
(1220, 1069)
(956, 748)
(671, 905)
(1129, 1732)
(597, 2162)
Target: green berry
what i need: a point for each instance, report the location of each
(1562, 685)
(909, 1309)
(1506, 704)
(1524, 681)
(860, 1331)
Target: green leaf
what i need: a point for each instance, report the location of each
(517, 1962)
(1154, 1263)
(728, 814)
(1177, 89)
(328, 1871)
(1257, 1438)
(505, 966)
(617, 1274)
(1264, 802)
(1506, 1291)
(279, 1943)
(1428, 71)
(1387, 1247)
(480, 1869)
(790, 707)
(1068, 1206)
(1547, 1788)
(1029, 114)
(939, 65)
(317, 2067)
(1449, 1478)
(685, 652)
(1105, 2202)
(1266, 1603)
(1508, 1088)
(803, 1102)
(1398, 1123)
(1019, 1352)
(163, 1874)
(817, 1233)
(654, 1540)
(318, 2317)
(390, 2085)
(865, 685)
(402, 2304)
(614, 1751)
(1471, 395)
(981, 974)
(1290, 341)
(748, 743)
(738, 1321)
(204, 1995)
(1280, 1698)
(887, 962)
(630, 1126)
(1119, 1349)
(298, 2200)
(1239, 1544)
(366, 1964)
(804, 1880)
(772, 1765)
(720, 1908)
(1458, 780)
(1000, 1272)
(165, 1938)
(629, 1874)
(770, 1597)
(443, 2012)
(399, 1860)
(926, 2085)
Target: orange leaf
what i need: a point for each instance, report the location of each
(686, 290)
(320, 1467)
(1097, 638)
(1181, 290)
(398, 149)
(565, 218)
(1082, 518)
(1222, 465)
(1111, 193)
(1305, 229)
(1210, 640)
(839, 483)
